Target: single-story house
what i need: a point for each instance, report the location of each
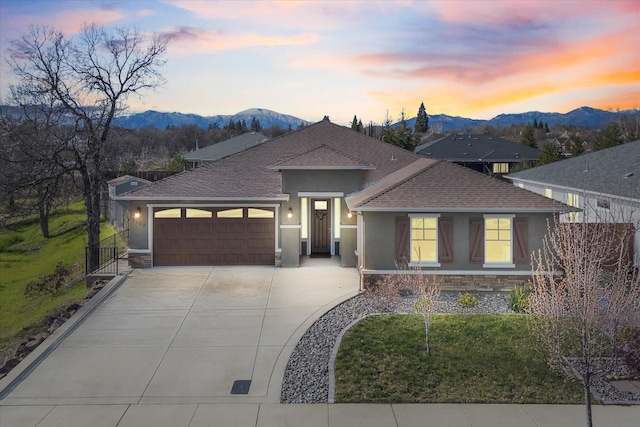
(222, 149)
(326, 190)
(604, 185)
(483, 153)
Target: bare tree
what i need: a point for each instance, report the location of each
(89, 78)
(35, 177)
(581, 299)
(426, 288)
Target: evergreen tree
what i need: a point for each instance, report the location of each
(549, 154)
(255, 125)
(546, 127)
(535, 123)
(354, 124)
(422, 120)
(360, 127)
(529, 136)
(575, 146)
(610, 136)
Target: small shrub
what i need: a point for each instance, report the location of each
(468, 301)
(385, 294)
(51, 283)
(630, 349)
(519, 299)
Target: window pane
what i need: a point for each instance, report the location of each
(260, 213)
(491, 223)
(417, 223)
(303, 218)
(417, 234)
(430, 223)
(198, 213)
(230, 213)
(430, 234)
(168, 213)
(320, 205)
(498, 252)
(424, 250)
(337, 212)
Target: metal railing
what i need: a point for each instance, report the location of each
(108, 251)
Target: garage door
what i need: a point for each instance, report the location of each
(214, 236)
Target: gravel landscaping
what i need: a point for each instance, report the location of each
(306, 378)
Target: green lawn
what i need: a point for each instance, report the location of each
(474, 359)
(25, 255)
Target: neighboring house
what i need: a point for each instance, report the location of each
(224, 148)
(328, 191)
(119, 209)
(483, 153)
(605, 184)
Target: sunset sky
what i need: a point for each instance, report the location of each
(309, 59)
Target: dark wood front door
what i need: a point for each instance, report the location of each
(321, 226)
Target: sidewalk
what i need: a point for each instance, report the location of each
(322, 415)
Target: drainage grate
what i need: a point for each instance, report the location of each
(241, 387)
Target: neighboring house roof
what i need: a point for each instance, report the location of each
(477, 148)
(614, 171)
(442, 186)
(393, 178)
(226, 148)
(126, 178)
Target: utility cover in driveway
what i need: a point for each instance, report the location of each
(241, 387)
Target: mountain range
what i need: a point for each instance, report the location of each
(582, 117)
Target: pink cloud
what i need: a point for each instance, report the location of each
(200, 40)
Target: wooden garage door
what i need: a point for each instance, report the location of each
(214, 236)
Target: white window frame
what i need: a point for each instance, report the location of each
(413, 263)
(498, 264)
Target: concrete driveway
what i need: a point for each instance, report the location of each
(186, 334)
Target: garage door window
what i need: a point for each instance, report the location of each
(198, 213)
(168, 213)
(230, 213)
(260, 213)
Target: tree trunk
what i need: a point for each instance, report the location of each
(91, 184)
(426, 331)
(587, 399)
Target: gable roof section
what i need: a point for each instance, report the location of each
(225, 148)
(442, 186)
(614, 171)
(477, 148)
(322, 157)
(246, 175)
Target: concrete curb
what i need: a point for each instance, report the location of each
(53, 341)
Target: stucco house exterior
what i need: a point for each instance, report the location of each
(487, 154)
(326, 190)
(604, 185)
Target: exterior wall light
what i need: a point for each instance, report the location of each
(290, 213)
(350, 215)
(137, 214)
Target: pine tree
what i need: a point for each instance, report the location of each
(546, 127)
(549, 154)
(535, 123)
(529, 136)
(422, 120)
(610, 136)
(354, 124)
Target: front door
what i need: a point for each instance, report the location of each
(320, 226)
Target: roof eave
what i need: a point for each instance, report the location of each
(282, 197)
(460, 210)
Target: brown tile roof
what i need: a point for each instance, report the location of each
(441, 186)
(400, 180)
(322, 157)
(246, 174)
